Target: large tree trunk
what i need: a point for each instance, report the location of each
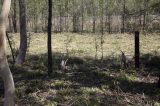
(5, 72)
(23, 33)
(49, 37)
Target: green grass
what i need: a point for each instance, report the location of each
(88, 82)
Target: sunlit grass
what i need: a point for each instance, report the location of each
(84, 45)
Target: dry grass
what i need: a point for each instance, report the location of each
(92, 83)
(84, 45)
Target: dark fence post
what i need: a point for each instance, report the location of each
(137, 52)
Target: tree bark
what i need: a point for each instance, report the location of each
(49, 37)
(145, 5)
(82, 13)
(35, 23)
(10, 24)
(109, 23)
(102, 31)
(14, 17)
(140, 18)
(123, 16)
(61, 19)
(74, 22)
(94, 18)
(67, 17)
(23, 33)
(5, 72)
(137, 51)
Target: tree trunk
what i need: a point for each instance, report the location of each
(109, 23)
(61, 19)
(140, 18)
(102, 29)
(6, 75)
(5, 72)
(67, 17)
(23, 33)
(82, 13)
(123, 16)
(49, 37)
(94, 18)
(35, 23)
(144, 20)
(145, 4)
(14, 17)
(158, 83)
(10, 24)
(74, 23)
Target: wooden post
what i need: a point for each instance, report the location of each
(137, 52)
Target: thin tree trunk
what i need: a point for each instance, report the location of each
(145, 5)
(74, 25)
(10, 45)
(144, 21)
(14, 17)
(123, 16)
(75, 22)
(67, 17)
(144, 15)
(61, 20)
(23, 33)
(109, 23)
(35, 23)
(42, 22)
(49, 37)
(102, 32)
(10, 25)
(5, 72)
(106, 17)
(94, 18)
(82, 13)
(140, 18)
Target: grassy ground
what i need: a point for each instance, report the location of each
(88, 80)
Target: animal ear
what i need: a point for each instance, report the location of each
(66, 62)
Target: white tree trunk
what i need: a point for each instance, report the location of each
(6, 75)
(5, 72)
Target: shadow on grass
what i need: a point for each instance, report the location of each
(84, 72)
(151, 62)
